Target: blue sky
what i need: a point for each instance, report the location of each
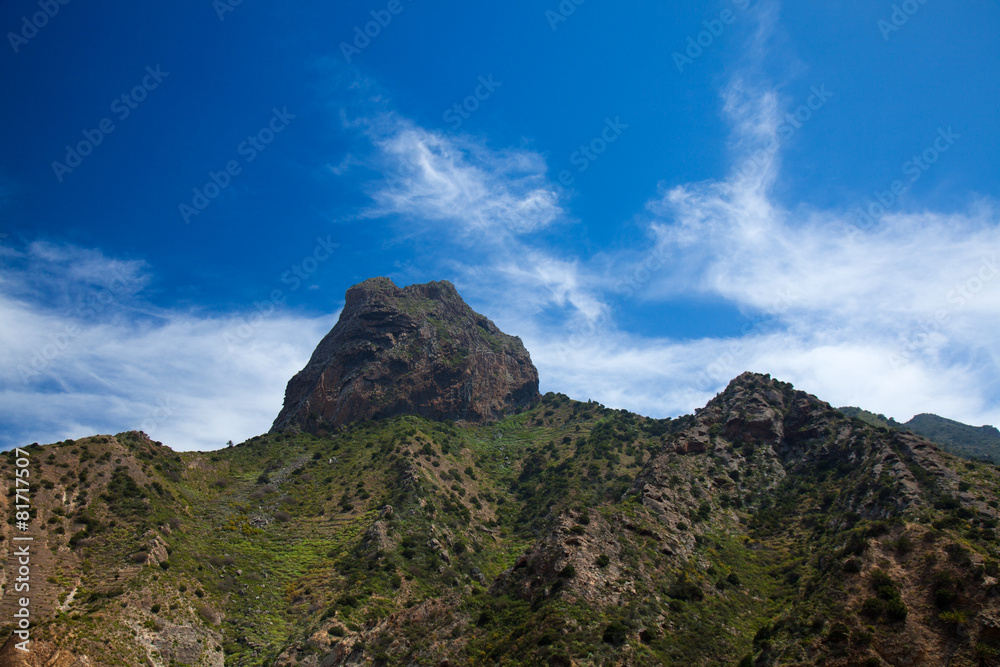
(654, 198)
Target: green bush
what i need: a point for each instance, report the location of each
(839, 632)
(895, 609)
(873, 608)
(686, 590)
(615, 634)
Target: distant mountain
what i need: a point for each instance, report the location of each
(971, 442)
(419, 504)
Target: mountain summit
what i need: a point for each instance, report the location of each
(767, 529)
(418, 350)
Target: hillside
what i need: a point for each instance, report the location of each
(765, 529)
(974, 442)
(971, 442)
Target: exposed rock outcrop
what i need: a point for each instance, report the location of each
(415, 350)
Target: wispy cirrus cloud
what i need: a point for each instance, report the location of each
(82, 351)
(484, 208)
(460, 182)
(896, 318)
(899, 318)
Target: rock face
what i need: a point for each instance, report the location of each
(416, 350)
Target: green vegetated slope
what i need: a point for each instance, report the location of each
(767, 529)
(972, 442)
(960, 439)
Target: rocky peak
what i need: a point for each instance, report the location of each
(414, 350)
(757, 406)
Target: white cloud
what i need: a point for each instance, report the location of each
(475, 190)
(890, 318)
(843, 313)
(105, 361)
(481, 206)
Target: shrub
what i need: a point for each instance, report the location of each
(615, 634)
(903, 545)
(686, 590)
(211, 616)
(944, 597)
(603, 560)
(986, 653)
(953, 618)
(862, 638)
(547, 638)
(895, 609)
(839, 632)
(944, 584)
(856, 545)
(888, 604)
(873, 608)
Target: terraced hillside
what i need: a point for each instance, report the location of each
(766, 529)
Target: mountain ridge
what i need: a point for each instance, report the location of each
(767, 528)
(973, 442)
